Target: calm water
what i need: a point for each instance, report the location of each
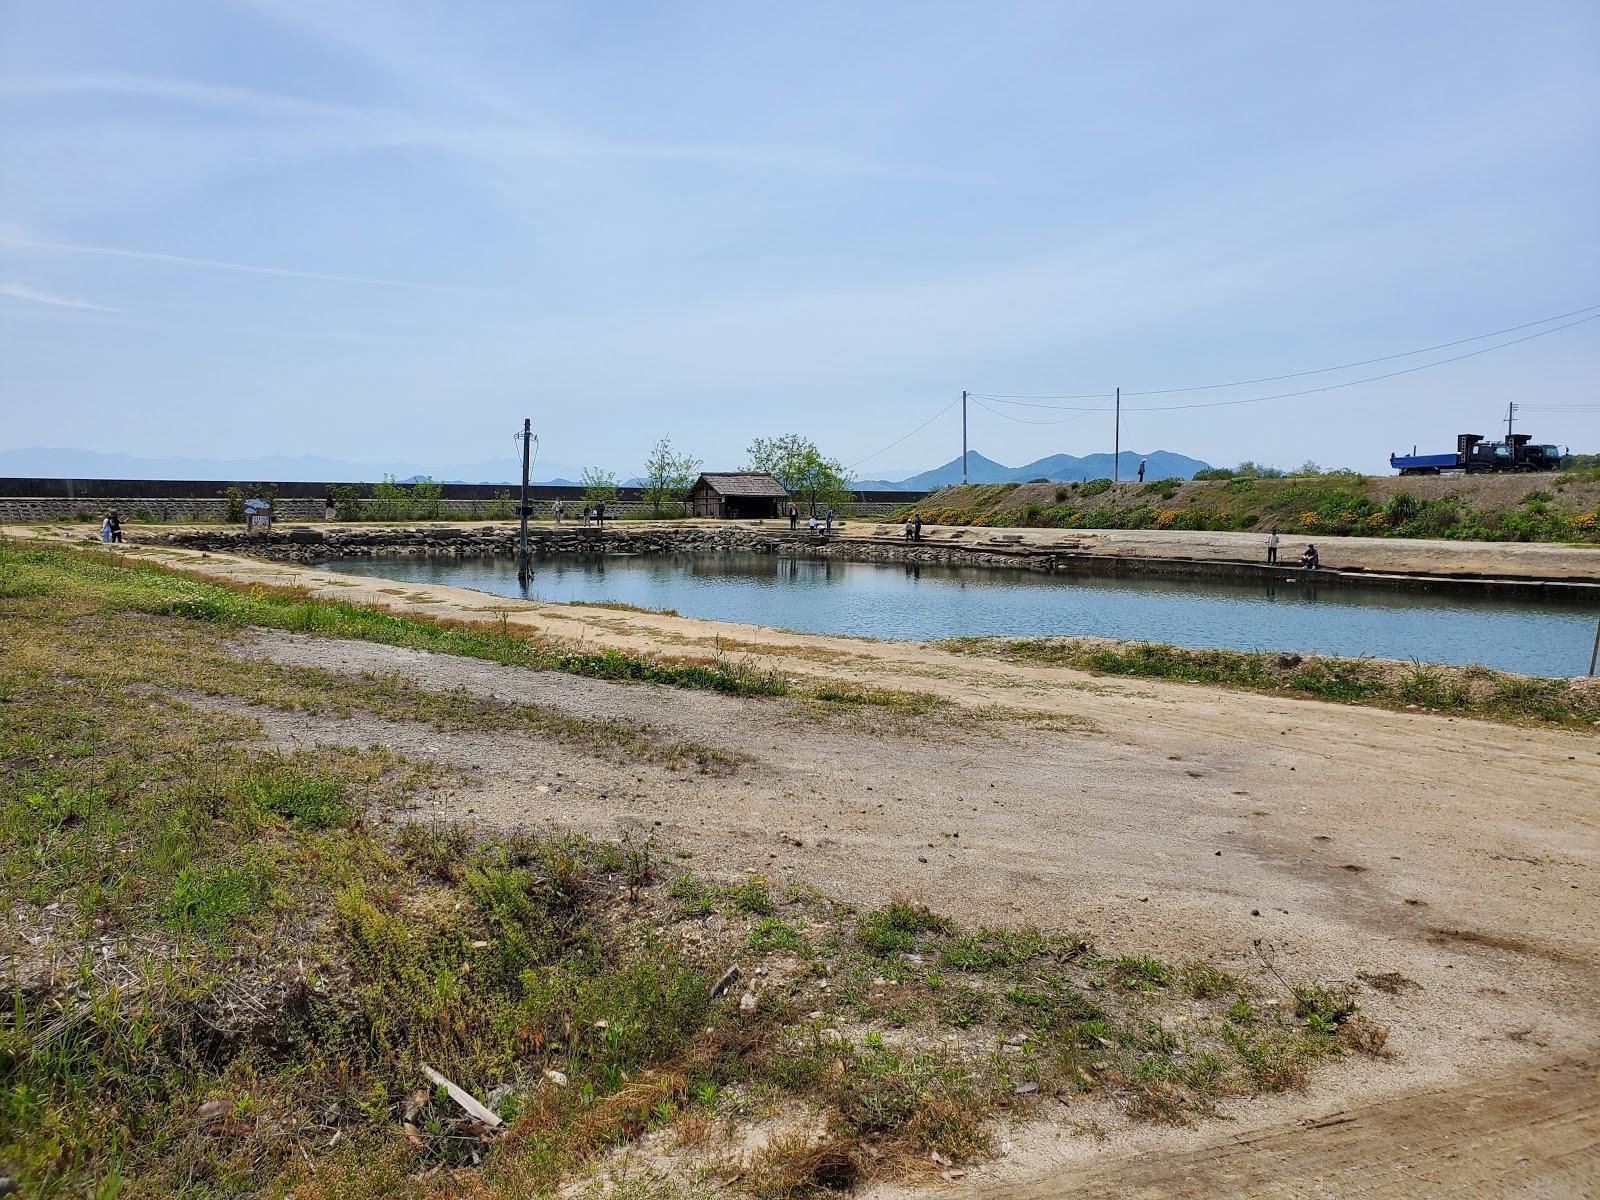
(901, 601)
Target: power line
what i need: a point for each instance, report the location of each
(912, 434)
(1026, 421)
(1367, 362)
(1332, 387)
(1007, 397)
(1018, 400)
(1315, 390)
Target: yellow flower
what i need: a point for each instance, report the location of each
(1377, 520)
(1308, 519)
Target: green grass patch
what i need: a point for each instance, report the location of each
(1471, 690)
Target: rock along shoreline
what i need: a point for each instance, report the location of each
(988, 549)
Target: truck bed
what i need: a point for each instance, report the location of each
(1410, 462)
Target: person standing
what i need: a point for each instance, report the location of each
(1141, 470)
(1272, 546)
(829, 527)
(600, 514)
(116, 525)
(794, 517)
(556, 509)
(328, 509)
(105, 529)
(916, 523)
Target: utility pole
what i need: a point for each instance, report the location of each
(963, 438)
(1116, 441)
(1511, 413)
(522, 536)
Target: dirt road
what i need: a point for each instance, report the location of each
(1168, 820)
(1155, 817)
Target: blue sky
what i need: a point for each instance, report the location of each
(390, 231)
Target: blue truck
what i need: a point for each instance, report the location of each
(1473, 454)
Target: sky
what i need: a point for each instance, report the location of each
(377, 231)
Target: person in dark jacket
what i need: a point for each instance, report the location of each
(1309, 557)
(916, 524)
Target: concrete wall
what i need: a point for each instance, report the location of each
(213, 508)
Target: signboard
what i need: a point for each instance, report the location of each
(258, 516)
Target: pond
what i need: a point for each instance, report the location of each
(895, 600)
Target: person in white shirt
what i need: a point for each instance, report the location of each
(1272, 546)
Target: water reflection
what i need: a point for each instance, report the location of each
(914, 600)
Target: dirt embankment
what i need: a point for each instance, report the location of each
(1561, 507)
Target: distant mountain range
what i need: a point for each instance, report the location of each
(1159, 464)
(67, 463)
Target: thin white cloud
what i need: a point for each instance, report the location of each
(261, 103)
(21, 291)
(184, 260)
(495, 140)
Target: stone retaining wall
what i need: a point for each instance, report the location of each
(987, 549)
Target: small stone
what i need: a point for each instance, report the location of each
(559, 1078)
(211, 1112)
(922, 858)
(1025, 1089)
(747, 1002)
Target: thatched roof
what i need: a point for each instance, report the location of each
(742, 483)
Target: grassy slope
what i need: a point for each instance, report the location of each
(1471, 691)
(1509, 508)
(227, 964)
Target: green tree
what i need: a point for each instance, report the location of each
(346, 502)
(425, 494)
(391, 501)
(805, 472)
(668, 476)
(598, 485)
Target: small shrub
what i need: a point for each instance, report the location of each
(774, 934)
(1094, 487)
(1141, 974)
(893, 929)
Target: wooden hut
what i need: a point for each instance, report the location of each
(737, 495)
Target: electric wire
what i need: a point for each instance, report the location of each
(1367, 362)
(1015, 399)
(897, 441)
(1315, 390)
